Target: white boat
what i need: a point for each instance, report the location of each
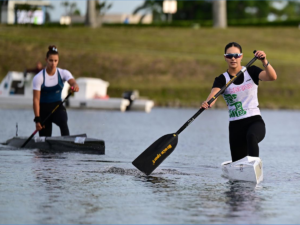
(15, 91)
(246, 169)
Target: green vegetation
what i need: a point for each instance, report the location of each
(173, 66)
(204, 24)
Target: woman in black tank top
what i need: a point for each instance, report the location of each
(244, 133)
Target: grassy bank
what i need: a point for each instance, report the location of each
(172, 66)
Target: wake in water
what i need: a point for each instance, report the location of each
(6, 147)
(136, 172)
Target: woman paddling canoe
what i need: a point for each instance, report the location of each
(47, 88)
(246, 126)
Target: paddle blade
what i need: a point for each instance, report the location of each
(156, 153)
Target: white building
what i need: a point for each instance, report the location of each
(125, 18)
(11, 15)
(110, 18)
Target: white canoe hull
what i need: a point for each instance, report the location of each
(246, 169)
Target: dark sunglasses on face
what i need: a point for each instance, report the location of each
(236, 55)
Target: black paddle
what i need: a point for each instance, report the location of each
(156, 153)
(25, 143)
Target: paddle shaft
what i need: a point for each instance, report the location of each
(31, 136)
(216, 96)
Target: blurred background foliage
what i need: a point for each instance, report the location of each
(173, 63)
(173, 66)
(250, 11)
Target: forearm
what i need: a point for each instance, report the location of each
(36, 110)
(270, 71)
(73, 84)
(268, 74)
(213, 92)
(36, 103)
(36, 107)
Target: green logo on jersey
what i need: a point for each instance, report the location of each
(238, 111)
(230, 98)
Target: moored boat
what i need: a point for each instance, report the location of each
(246, 169)
(75, 143)
(16, 92)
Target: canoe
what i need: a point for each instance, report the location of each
(75, 143)
(246, 169)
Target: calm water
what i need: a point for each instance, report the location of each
(186, 188)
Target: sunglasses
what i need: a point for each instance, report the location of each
(236, 55)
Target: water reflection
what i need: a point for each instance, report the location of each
(157, 182)
(161, 179)
(40, 156)
(243, 200)
(46, 169)
(198, 199)
(63, 188)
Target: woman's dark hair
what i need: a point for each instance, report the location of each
(233, 44)
(52, 50)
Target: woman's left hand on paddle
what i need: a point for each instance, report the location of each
(261, 55)
(75, 88)
(205, 105)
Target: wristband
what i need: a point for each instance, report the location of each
(37, 119)
(266, 64)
